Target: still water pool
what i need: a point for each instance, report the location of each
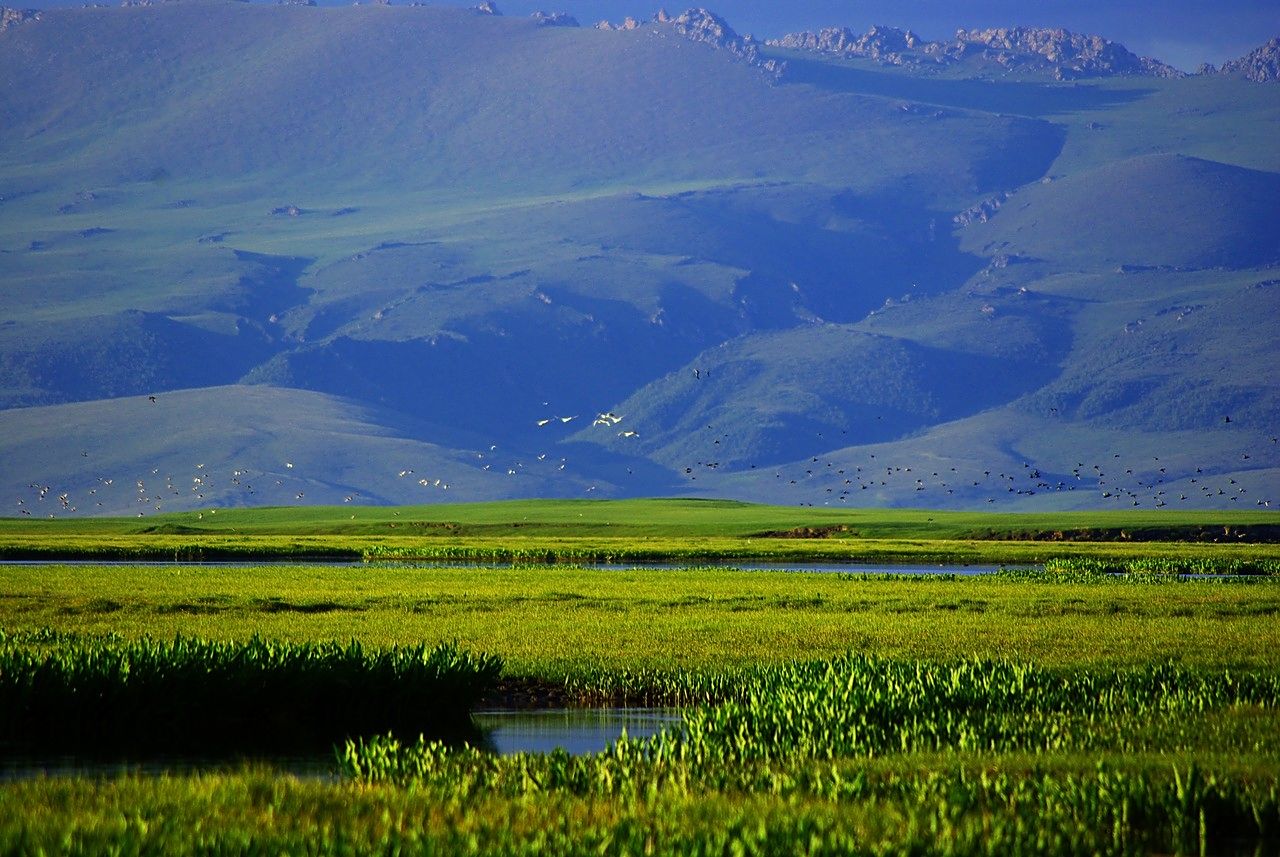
(578, 730)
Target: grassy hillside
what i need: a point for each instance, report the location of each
(1153, 211)
(430, 234)
(256, 445)
(748, 402)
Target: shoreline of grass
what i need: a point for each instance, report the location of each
(641, 531)
(567, 551)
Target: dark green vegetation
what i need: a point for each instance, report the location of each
(979, 806)
(854, 755)
(64, 695)
(428, 231)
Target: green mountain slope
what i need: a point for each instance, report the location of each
(1152, 211)
(358, 237)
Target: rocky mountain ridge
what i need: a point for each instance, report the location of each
(1067, 55)
(703, 25)
(1261, 65)
(554, 19)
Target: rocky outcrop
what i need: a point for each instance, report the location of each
(1069, 55)
(488, 7)
(1065, 54)
(14, 17)
(628, 24)
(982, 211)
(888, 45)
(1261, 65)
(554, 19)
(702, 25)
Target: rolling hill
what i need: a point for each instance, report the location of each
(373, 239)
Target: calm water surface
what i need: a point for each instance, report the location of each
(578, 730)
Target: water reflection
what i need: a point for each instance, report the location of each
(577, 730)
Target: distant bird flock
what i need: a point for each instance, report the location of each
(842, 477)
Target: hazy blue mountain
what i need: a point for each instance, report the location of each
(376, 240)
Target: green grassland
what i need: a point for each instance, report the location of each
(553, 623)
(1022, 712)
(641, 518)
(650, 529)
(974, 716)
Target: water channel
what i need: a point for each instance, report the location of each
(323, 562)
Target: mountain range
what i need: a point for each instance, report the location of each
(397, 254)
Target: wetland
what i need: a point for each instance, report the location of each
(1114, 697)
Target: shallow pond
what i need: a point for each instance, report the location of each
(578, 730)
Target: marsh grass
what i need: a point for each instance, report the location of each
(1058, 712)
(973, 806)
(974, 757)
(107, 696)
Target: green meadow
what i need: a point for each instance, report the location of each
(1099, 702)
(554, 623)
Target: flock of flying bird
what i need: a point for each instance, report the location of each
(1121, 483)
(837, 477)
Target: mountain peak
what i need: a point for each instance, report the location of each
(703, 25)
(1261, 65)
